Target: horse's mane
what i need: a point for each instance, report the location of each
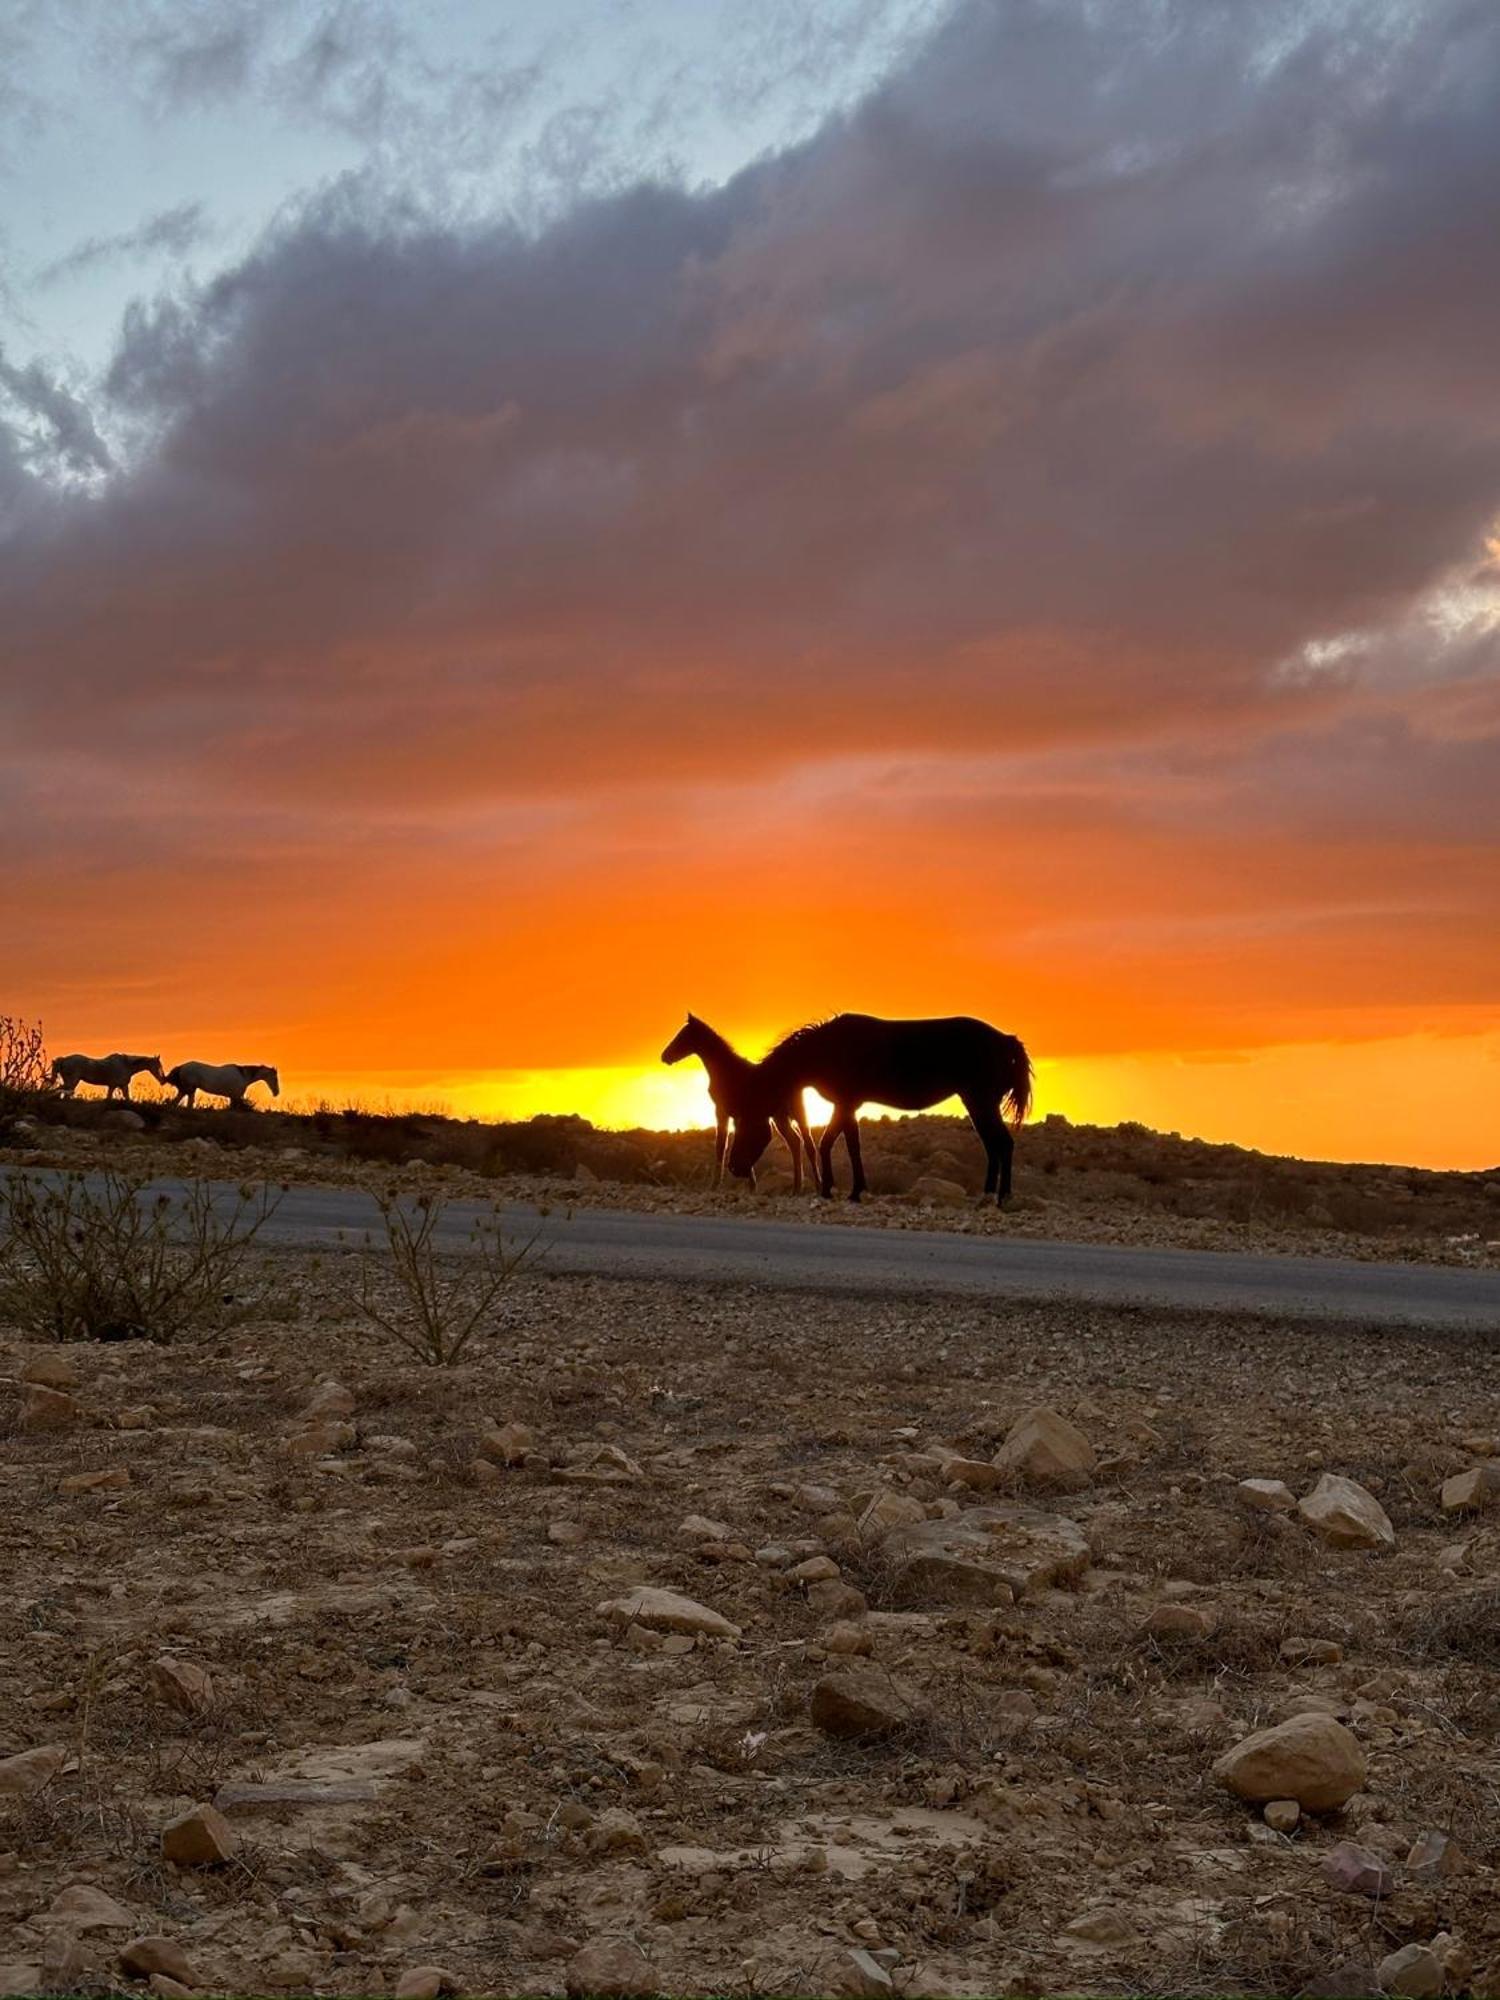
(720, 1045)
(790, 1044)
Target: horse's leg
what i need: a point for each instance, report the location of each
(793, 1144)
(721, 1142)
(856, 1159)
(999, 1146)
(831, 1132)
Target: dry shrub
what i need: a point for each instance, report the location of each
(23, 1065)
(102, 1257)
(441, 1298)
(1467, 1626)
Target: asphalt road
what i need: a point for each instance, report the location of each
(694, 1249)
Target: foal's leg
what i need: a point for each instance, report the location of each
(856, 1159)
(793, 1144)
(831, 1132)
(721, 1141)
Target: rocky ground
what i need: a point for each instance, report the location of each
(708, 1641)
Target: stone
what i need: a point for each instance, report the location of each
(1309, 1758)
(667, 1611)
(1266, 1496)
(21, 1977)
(817, 1569)
(1179, 1621)
(296, 1792)
(1415, 1970)
(601, 1465)
(25, 1774)
(887, 1510)
(50, 1409)
(1102, 1926)
(55, 1370)
(85, 1908)
(1046, 1450)
(847, 1638)
(328, 1399)
(167, 1988)
(611, 1966)
(563, 1534)
(1434, 1855)
(1282, 1815)
(935, 1192)
(1357, 1871)
(154, 1953)
(1310, 1652)
(320, 1439)
(109, 1479)
(183, 1686)
(861, 1702)
(1346, 1515)
(201, 1837)
(859, 1972)
(698, 1528)
(508, 1444)
(980, 1475)
(1466, 1492)
(425, 1982)
(986, 1555)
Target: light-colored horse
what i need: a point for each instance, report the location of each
(227, 1080)
(112, 1072)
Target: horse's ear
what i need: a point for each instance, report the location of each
(692, 1018)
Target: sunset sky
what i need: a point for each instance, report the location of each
(519, 520)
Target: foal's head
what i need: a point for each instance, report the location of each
(686, 1042)
(752, 1135)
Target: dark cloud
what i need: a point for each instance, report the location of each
(46, 426)
(1101, 363)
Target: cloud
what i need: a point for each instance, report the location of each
(1100, 362)
(172, 232)
(44, 424)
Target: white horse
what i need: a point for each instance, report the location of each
(113, 1072)
(227, 1080)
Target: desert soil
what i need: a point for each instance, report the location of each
(357, 1594)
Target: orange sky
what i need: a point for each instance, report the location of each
(1026, 546)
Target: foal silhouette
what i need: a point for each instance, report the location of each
(857, 1059)
(729, 1074)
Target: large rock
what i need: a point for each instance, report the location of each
(1310, 1758)
(50, 1409)
(1044, 1449)
(29, 1770)
(987, 1555)
(667, 1611)
(154, 1953)
(1266, 1496)
(199, 1838)
(1466, 1492)
(611, 1966)
(939, 1193)
(53, 1370)
(182, 1685)
(1415, 1971)
(1357, 1871)
(1346, 1515)
(863, 1702)
(82, 1907)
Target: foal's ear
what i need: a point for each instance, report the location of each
(692, 1019)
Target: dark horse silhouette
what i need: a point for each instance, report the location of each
(729, 1078)
(855, 1059)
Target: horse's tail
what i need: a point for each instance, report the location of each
(1017, 1078)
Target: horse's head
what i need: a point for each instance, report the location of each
(154, 1068)
(752, 1135)
(270, 1077)
(684, 1042)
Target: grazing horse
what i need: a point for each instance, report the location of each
(229, 1080)
(113, 1072)
(855, 1059)
(728, 1075)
